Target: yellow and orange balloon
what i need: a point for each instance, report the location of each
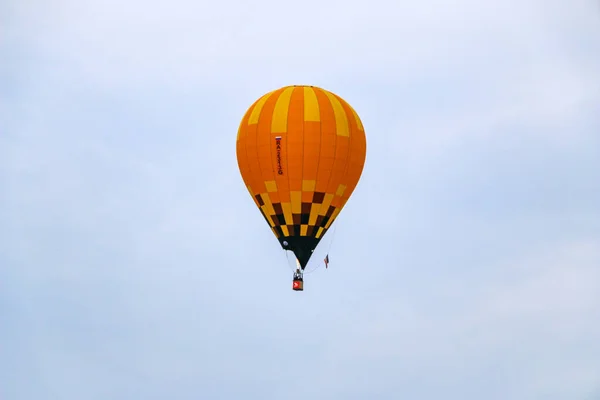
(301, 151)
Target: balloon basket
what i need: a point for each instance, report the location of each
(298, 285)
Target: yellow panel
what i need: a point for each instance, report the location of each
(308, 186)
(341, 119)
(296, 198)
(280, 113)
(303, 230)
(311, 105)
(319, 232)
(326, 204)
(356, 117)
(332, 218)
(287, 213)
(264, 209)
(258, 108)
(285, 230)
(271, 186)
(238, 134)
(268, 205)
(314, 213)
(340, 190)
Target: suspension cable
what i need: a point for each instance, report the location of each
(304, 272)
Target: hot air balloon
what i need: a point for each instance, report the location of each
(301, 151)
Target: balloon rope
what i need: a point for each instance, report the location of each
(328, 249)
(318, 262)
(287, 256)
(332, 237)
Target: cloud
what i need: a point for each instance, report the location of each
(231, 42)
(521, 326)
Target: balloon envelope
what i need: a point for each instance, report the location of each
(301, 151)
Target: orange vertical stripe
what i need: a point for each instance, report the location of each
(312, 138)
(242, 156)
(265, 142)
(295, 137)
(328, 142)
(342, 173)
(256, 183)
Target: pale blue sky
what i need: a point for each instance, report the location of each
(134, 265)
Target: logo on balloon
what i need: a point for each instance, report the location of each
(278, 148)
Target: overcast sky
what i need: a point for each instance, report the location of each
(134, 264)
